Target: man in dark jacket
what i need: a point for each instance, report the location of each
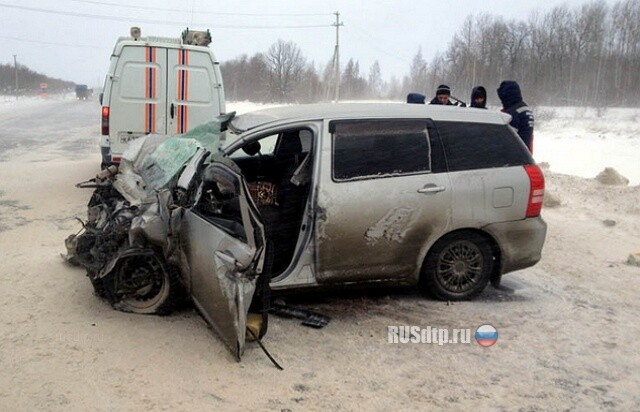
(521, 115)
(479, 97)
(443, 96)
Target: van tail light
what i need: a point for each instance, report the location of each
(105, 120)
(536, 192)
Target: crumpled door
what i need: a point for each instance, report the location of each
(223, 242)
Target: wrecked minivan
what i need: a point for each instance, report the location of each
(311, 196)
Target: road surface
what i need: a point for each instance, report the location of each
(568, 327)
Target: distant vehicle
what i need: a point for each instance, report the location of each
(82, 92)
(158, 85)
(315, 196)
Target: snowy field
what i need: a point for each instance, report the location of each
(576, 141)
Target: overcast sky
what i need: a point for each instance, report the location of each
(72, 39)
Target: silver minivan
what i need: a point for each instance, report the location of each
(331, 195)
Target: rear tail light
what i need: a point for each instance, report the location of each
(105, 120)
(536, 192)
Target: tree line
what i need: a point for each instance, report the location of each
(587, 55)
(28, 81)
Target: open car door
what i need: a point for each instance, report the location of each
(223, 242)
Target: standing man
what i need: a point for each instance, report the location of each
(443, 95)
(521, 115)
(479, 97)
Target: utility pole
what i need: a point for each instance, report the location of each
(15, 64)
(337, 25)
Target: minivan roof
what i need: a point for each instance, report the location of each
(305, 112)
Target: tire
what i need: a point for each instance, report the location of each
(158, 289)
(458, 266)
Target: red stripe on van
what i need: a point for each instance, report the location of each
(185, 119)
(146, 89)
(150, 90)
(182, 92)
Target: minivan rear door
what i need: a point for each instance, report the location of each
(194, 90)
(383, 194)
(138, 96)
(223, 241)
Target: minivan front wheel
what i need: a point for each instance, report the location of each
(458, 266)
(143, 284)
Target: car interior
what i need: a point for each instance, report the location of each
(277, 169)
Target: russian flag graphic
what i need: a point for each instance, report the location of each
(486, 335)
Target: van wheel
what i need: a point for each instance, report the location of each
(458, 266)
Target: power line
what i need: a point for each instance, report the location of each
(150, 21)
(373, 44)
(51, 43)
(104, 3)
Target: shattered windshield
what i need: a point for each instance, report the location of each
(158, 159)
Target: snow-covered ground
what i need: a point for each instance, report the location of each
(568, 326)
(576, 141)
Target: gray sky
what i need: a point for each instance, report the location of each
(77, 47)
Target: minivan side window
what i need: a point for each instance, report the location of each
(481, 146)
(367, 149)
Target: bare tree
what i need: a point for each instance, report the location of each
(285, 64)
(583, 55)
(376, 84)
(417, 73)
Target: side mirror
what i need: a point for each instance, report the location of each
(100, 98)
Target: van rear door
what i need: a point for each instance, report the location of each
(194, 90)
(138, 96)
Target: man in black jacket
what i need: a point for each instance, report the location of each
(521, 115)
(443, 96)
(479, 97)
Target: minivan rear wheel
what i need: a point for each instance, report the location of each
(458, 266)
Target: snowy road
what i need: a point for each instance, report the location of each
(567, 327)
(67, 126)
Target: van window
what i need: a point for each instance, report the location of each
(481, 146)
(132, 81)
(365, 149)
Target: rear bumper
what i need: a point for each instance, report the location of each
(520, 242)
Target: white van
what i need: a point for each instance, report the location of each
(158, 85)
